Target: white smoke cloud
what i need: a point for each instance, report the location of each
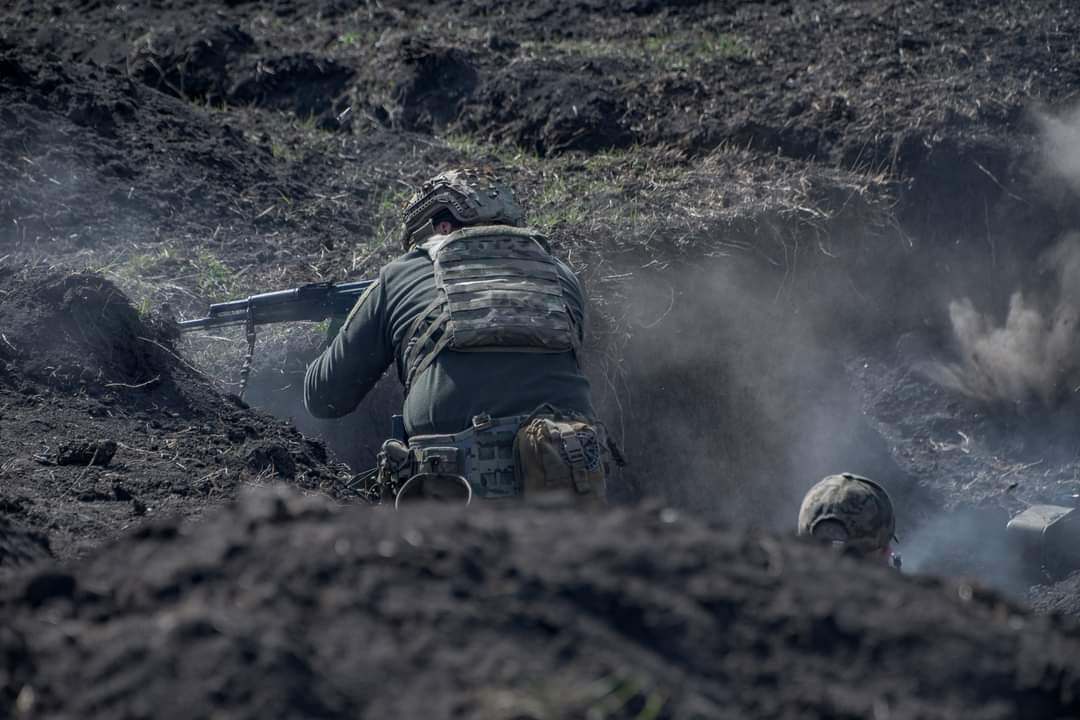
(1033, 353)
(1060, 142)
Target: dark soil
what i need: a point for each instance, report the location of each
(771, 206)
(1061, 597)
(20, 547)
(512, 614)
(102, 424)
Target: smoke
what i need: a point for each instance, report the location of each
(1033, 354)
(736, 400)
(970, 543)
(1060, 143)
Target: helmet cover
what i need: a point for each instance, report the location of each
(473, 197)
(858, 504)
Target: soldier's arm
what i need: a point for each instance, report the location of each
(346, 371)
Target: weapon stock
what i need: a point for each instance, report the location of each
(313, 302)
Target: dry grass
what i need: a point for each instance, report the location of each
(658, 47)
(610, 214)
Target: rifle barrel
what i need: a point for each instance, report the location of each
(313, 302)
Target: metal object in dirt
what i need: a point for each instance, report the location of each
(1047, 537)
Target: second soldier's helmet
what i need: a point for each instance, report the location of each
(859, 505)
(473, 197)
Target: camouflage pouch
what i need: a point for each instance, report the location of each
(559, 454)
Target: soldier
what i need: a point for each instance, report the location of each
(485, 328)
(853, 512)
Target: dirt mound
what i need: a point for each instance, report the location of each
(19, 547)
(303, 84)
(550, 108)
(426, 84)
(88, 156)
(1060, 597)
(192, 65)
(102, 424)
(287, 606)
(94, 340)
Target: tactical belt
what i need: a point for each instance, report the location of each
(482, 454)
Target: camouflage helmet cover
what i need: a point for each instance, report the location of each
(859, 505)
(473, 197)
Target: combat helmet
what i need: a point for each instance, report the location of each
(473, 197)
(859, 505)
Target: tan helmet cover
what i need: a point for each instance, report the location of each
(859, 504)
(473, 197)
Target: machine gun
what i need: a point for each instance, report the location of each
(313, 302)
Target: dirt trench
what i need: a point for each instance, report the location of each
(103, 425)
(509, 614)
(736, 380)
(772, 206)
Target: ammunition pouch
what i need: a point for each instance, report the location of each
(560, 452)
(497, 458)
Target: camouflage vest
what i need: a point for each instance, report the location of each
(497, 289)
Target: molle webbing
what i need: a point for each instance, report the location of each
(483, 454)
(498, 289)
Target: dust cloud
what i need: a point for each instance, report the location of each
(968, 543)
(1030, 356)
(736, 397)
(1060, 143)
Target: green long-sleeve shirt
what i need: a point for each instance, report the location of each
(459, 385)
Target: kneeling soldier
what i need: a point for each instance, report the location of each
(485, 327)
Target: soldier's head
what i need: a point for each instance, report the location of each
(457, 198)
(851, 511)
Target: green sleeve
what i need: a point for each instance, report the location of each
(345, 372)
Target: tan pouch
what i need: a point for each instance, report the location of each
(557, 454)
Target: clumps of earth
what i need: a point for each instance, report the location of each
(103, 424)
(293, 606)
(79, 332)
(799, 166)
(292, 603)
(20, 547)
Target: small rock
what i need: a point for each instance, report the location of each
(912, 41)
(86, 452)
(138, 506)
(272, 456)
(500, 43)
(317, 450)
(93, 494)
